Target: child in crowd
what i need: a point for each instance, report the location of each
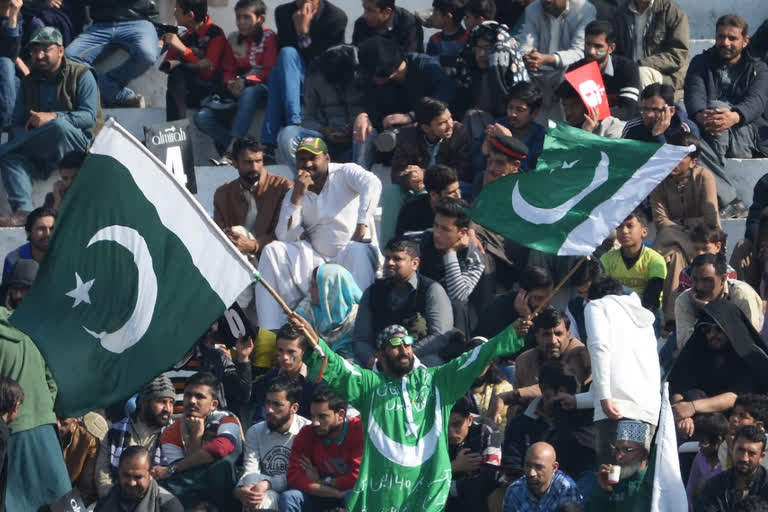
(193, 61)
(705, 239)
(523, 104)
(636, 266)
(448, 43)
(250, 55)
(710, 432)
(477, 12)
(748, 409)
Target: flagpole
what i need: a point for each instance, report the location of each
(562, 282)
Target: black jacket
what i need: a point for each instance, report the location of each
(121, 10)
(326, 30)
(622, 87)
(713, 496)
(748, 93)
(405, 29)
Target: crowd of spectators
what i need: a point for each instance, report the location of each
(567, 423)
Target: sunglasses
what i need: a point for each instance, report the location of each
(396, 341)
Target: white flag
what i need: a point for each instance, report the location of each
(668, 489)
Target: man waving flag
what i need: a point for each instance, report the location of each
(583, 187)
(135, 273)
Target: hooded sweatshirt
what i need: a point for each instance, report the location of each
(21, 361)
(625, 364)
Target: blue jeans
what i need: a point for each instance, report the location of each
(297, 501)
(138, 38)
(284, 102)
(288, 140)
(9, 85)
(215, 124)
(34, 155)
(365, 153)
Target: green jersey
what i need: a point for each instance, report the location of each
(405, 464)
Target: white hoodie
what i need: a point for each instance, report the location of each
(625, 363)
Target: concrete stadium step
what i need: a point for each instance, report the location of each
(744, 173)
(697, 46)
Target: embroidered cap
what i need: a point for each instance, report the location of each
(635, 431)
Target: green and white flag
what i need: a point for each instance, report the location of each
(135, 273)
(583, 187)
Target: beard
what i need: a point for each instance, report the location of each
(630, 470)
(397, 368)
(275, 422)
(156, 420)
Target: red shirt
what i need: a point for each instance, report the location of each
(207, 42)
(338, 459)
(246, 58)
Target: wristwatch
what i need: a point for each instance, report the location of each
(172, 469)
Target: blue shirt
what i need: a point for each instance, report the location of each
(562, 490)
(23, 252)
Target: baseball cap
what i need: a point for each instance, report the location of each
(314, 145)
(47, 35)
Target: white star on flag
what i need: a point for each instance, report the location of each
(80, 292)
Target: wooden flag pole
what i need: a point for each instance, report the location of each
(288, 311)
(562, 282)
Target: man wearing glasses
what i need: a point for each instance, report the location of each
(405, 410)
(57, 111)
(633, 488)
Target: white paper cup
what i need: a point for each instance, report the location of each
(614, 474)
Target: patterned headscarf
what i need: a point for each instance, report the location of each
(505, 61)
(338, 293)
(388, 332)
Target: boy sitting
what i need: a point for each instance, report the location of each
(249, 57)
(635, 265)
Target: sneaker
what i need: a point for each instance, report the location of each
(269, 154)
(17, 219)
(736, 209)
(132, 101)
(385, 141)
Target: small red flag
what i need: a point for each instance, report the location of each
(588, 82)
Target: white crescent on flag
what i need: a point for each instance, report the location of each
(146, 297)
(536, 215)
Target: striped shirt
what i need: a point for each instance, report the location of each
(461, 276)
(561, 490)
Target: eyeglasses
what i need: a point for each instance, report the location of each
(653, 110)
(396, 341)
(483, 48)
(623, 450)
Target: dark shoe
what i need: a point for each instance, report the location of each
(736, 209)
(269, 154)
(15, 220)
(133, 101)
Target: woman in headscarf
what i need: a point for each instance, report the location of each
(331, 307)
(724, 358)
(490, 64)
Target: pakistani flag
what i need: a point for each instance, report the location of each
(135, 273)
(583, 187)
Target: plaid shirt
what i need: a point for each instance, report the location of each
(562, 490)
